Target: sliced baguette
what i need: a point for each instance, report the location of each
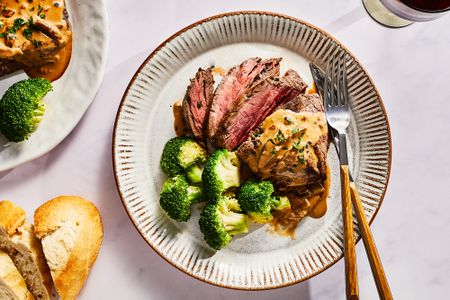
(12, 284)
(17, 239)
(71, 232)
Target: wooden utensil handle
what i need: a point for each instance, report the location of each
(351, 275)
(371, 250)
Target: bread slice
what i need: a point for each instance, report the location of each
(12, 285)
(17, 239)
(71, 232)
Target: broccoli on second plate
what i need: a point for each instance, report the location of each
(221, 172)
(183, 155)
(21, 108)
(256, 199)
(177, 196)
(221, 220)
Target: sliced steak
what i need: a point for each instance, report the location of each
(290, 146)
(197, 101)
(240, 78)
(254, 106)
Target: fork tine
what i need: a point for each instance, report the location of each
(344, 79)
(333, 75)
(326, 88)
(337, 77)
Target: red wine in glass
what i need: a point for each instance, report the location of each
(399, 13)
(428, 5)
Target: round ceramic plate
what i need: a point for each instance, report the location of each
(259, 259)
(73, 92)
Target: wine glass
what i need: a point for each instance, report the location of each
(400, 13)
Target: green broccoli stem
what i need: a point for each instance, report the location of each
(39, 113)
(235, 223)
(194, 173)
(280, 203)
(195, 194)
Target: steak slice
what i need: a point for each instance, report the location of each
(240, 78)
(290, 146)
(197, 101)
(254, 106)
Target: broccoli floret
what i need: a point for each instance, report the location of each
(256, 199)
(21, 108)
(179, 154)
(221, 220)
(221, 172)
(177, 196)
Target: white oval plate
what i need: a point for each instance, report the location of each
(259, 259)
(73, 92)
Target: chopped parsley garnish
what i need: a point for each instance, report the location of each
(42, 16)
(291, 170)
(32, 9)
(199, 104)
(27, 33)
(1, 24)
(37, 43)
(11, 32)
(257, 134)
(302, 159)
(297, 145)
(295, 130)
(279, 137)
(272, 152)
(40, 8)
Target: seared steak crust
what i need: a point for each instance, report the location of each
(197, 101)
(238, 80)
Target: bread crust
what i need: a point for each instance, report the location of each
(11, 216)
(20, 238)
(70, 273)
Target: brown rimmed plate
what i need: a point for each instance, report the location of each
(144, 123)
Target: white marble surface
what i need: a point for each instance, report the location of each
(411, 68)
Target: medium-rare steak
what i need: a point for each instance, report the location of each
(290, 146)
(32, 33)
(234, 84)
(197, 101)
(254, 106)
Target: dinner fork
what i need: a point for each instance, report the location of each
(336, 104)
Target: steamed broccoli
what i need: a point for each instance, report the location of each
(183, 155)
(177, 196)
(256, 199)
(21, 108)
(221, 220)
(221, 172)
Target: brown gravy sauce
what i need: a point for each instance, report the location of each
(312, 89)
(55, 70)
(179, 125)
(286, 222)
(219, 71)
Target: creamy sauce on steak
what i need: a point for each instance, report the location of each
(42, 23)
(287, 131)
